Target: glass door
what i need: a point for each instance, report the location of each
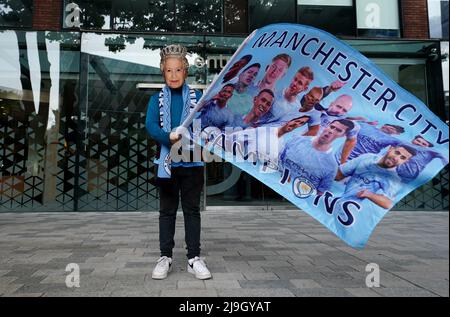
(409, 73)
(119, 73)
(227, 185)
(38, 89)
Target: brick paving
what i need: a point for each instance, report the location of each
(250, 253)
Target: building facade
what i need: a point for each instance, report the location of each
(76, 77)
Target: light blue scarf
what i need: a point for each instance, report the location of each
(165, 123)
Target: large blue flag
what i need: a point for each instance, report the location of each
(320, 124)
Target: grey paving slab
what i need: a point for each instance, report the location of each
(260, 276)
(192, 284)
(341, 282)
(222, 284)
(362, 292)
(404, 292)
(17, 294)
(321, 292)
(135, 293)
(255, 292)
(78, 293)
(8, 289)
(249, 252)
(266, 284)
(228, 276)
(305, 284)
(189, 293)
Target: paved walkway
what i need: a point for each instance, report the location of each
(250, 253)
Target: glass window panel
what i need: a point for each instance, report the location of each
(15, 13)
(143, 15)
(434, 18)
(378, 18)
(444, 19)
(38, 137)
(122, 72)
(161, 15)
(336, 17)
(139, 15)
(378, 33)
(93, 14)
(338, 3)
(410, 75)
(227, 185)
(389, 46)
(264, 12)
(438, 18)
(235, 16)
(199, 16)
(219, 51)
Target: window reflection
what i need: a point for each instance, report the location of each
(16, 13)
(160, 15)
(336, 17)
(199, 16)
(126, 15)
(438, 18)
(143, 15)
(94, 14)
(235, 16)
(36, 106)
(82, 141)
(218, 52)
(264, 12)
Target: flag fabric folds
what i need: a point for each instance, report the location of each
(319, 123)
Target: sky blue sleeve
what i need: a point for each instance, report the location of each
(326, 182)
(152, 122)
(198, 94)
(314, 119)
(443, 159)
(409, 171)
(389, 188)
(205, 114)
(349, 168)
(353, 133)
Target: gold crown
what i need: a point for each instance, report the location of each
(176, 50)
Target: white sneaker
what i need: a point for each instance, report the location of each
(162, 268)
(198, 267)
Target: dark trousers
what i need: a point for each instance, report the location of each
(187, 181)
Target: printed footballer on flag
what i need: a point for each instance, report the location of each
(320, 124)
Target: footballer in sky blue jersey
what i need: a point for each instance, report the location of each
(306, 107)
(246, 79)
(267, 142)
(275, 71)
(261, 105)
(311, 158)
(313, 114)
(215, 112)
(424, 155)
(289, 99)
(339, 109)
(244, 90)
(372, 139)
(374, 177)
